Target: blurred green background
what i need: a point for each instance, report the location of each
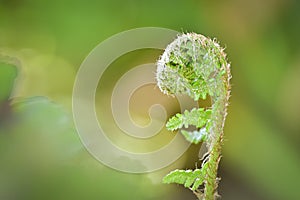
(42, 44)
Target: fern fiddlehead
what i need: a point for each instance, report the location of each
(196, 66)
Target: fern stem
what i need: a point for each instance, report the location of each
(211, 172)
(220, 104)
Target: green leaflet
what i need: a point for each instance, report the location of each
(197, 117)
(175, 122)
(188, 178)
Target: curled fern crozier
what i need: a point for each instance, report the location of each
(196, 66)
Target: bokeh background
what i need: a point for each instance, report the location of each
(42, 44)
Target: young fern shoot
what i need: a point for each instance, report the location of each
(196, 66)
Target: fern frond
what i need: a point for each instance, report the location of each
(189, 178)
(175, 122)
(197, 117)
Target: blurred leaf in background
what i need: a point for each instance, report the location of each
(8, 73)
(42, 157)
